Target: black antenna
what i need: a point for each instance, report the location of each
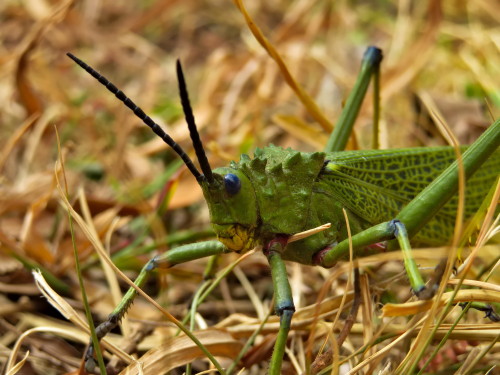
(193, 131)
(140, 113)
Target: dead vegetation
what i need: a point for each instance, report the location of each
(131, 198)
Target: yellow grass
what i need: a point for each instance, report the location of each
(438, 57)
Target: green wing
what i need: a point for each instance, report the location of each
(376, 185)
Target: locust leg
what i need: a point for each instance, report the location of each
(484, 307)
(283, 301)
(370, 66)
(422, 208)
(170, 258)
(414, 276)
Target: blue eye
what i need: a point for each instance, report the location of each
(232, 183)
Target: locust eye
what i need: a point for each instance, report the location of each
(232, 183)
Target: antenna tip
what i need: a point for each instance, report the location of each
(74, 58)
(179, 69)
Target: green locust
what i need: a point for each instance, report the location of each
(265, 199)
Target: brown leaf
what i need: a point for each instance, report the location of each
(178, 351)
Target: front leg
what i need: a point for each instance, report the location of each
(283, 300)
(170, 258)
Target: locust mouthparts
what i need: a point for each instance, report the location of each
(236, 237)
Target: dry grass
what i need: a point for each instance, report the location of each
(129, 192)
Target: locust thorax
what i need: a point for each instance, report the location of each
(233, 209)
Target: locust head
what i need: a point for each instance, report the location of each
(233, 209)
